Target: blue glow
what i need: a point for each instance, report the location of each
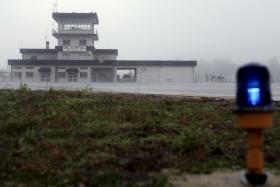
(254, 96)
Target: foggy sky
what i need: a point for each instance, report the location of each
(240, 30)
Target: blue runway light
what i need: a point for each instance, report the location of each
(253, 89)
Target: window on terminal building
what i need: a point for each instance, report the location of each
(82, 54)
(33, 56)
(83, 75)
(72, 76)
(17, 75)
(126, 74)
(45, 76)
(66, 42)
(66, 53)
(29, 75)
(61, 75)
(83, 42)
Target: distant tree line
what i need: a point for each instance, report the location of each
(224, 70)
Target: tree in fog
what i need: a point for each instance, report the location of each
(274, 68)
(217, 67)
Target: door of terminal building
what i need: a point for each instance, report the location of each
(102, 74)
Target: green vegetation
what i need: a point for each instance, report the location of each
(60, 138)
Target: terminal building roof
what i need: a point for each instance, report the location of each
(126, 63)
(38, 50)
(60, 48)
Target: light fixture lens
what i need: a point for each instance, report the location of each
(254, 96)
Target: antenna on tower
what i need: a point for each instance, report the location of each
(47, 42)
(21, 44)
(46, 36)
(55, 6)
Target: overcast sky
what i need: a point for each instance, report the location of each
(242, 30)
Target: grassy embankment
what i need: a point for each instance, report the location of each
(59, 138)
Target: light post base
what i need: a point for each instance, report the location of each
(254, 179)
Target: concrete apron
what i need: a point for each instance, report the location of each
(218, 179)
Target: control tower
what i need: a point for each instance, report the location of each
(75, 31)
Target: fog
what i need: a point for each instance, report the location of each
(213, 32)
(225, 67)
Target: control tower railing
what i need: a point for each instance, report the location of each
(56, 32)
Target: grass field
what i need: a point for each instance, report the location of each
(59, 138)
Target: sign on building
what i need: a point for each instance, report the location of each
(77, 48)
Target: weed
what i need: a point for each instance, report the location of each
(23, 87)
(87, 89)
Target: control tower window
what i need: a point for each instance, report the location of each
(66, 42)
(83, 42)
(76, 27)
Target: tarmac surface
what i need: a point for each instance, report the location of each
(218, 179)
(186, 89)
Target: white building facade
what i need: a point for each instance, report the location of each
(75, 59)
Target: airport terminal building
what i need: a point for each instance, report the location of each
(75, 59)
